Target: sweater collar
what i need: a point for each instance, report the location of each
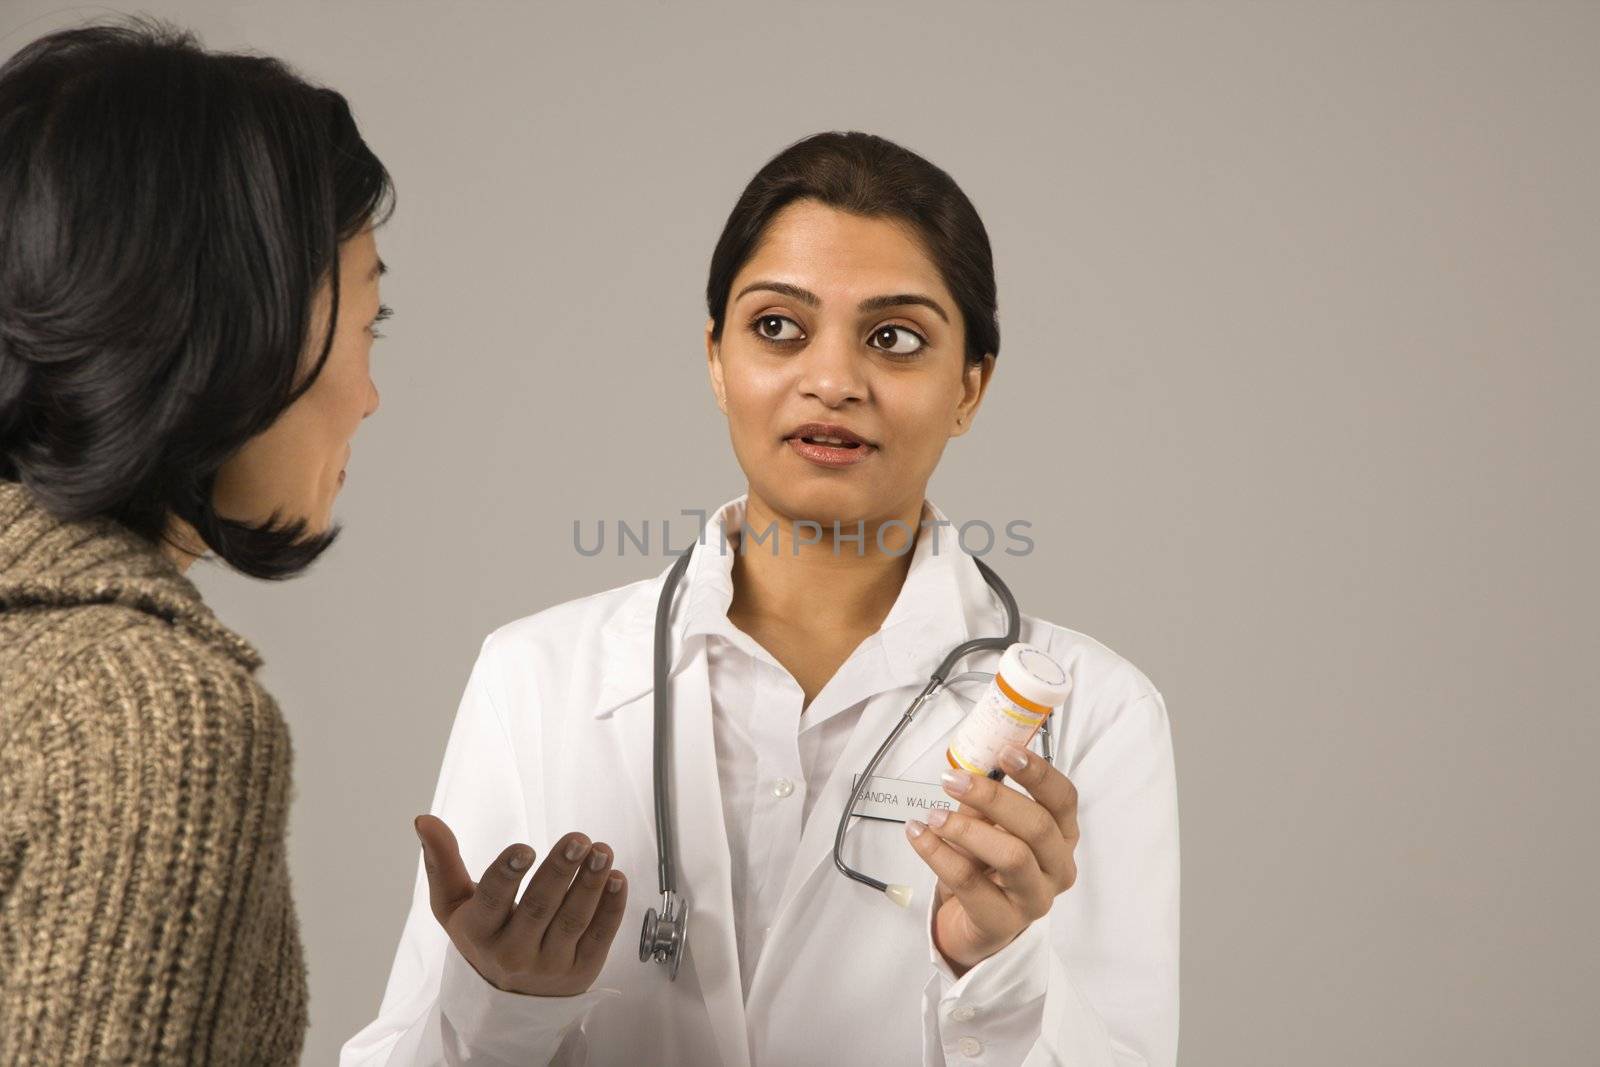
(48, 562)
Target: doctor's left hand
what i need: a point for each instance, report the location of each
(1001, 857)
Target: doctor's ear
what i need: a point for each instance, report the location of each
(714, 366)
(975, 381)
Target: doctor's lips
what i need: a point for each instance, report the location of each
(828, 444)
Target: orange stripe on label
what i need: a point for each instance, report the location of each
(1020, 701)
(1025, 720)
(960, 764)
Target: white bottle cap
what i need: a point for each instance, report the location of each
(1034, 676)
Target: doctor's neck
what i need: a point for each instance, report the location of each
(848, 587)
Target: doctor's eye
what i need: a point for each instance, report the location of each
(778, 328)
(894, 340)
(384, 312)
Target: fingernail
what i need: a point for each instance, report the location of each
(613, 883)
(957, 782)
(416, 824)
(519, 861)
(914, 828)
(575, 849)
(1013, 758)
(597, 859)
(937, 816)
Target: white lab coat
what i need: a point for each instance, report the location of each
(553, 734)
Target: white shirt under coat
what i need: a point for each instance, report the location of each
(790, 962)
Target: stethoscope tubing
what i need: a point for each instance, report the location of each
(665, 933)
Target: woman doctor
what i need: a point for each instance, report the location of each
(852, 333)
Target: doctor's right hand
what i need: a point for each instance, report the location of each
(550, 944)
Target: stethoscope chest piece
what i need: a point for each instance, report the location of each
(665, 934)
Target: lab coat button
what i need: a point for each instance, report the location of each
(782, 787)
(962, 1014)
(971, 1046)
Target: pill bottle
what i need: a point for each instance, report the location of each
(1027, 686)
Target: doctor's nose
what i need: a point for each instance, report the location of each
(831, 370)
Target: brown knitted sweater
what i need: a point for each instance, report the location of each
(145, 914)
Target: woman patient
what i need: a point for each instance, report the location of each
(188, 288)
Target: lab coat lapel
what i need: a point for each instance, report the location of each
(699, 834)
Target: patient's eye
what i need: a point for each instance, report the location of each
(384, 312)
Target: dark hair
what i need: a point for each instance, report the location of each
(169, 215)
(868, 175)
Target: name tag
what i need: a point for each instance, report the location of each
(899, 799)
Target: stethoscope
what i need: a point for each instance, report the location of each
(666, 931)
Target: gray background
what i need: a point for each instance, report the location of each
(1296, 354)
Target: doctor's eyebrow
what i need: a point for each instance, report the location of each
(874, 303)
(378, 268)
(880, 303)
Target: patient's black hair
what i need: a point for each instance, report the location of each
(868, 175)
(167, 216)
